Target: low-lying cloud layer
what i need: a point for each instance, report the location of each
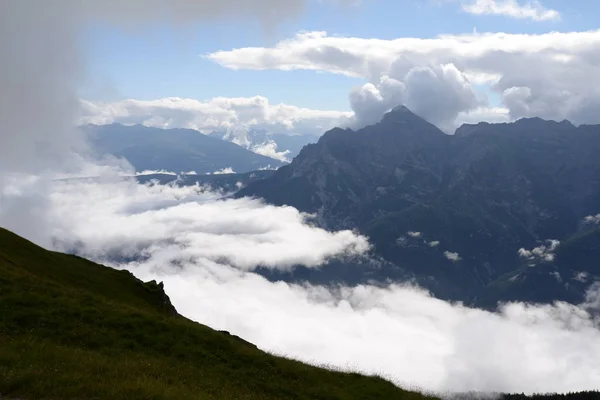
(204, 249)
(191, 225)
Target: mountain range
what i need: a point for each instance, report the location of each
(175, 150)
(495, 212)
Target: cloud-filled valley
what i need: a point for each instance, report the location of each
(205, 248)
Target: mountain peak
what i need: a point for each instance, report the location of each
(402, 114)
(399, 113)
(537, 121)
(529, 125)
(401, 109)
(407, 121)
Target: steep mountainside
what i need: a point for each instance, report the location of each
(176, 150)
(452, 210)
(72, 329)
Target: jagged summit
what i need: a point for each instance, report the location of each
(397, 123)
(532, 125)
(401, 109)
(402, 121)
(400, 113)
(537, 121)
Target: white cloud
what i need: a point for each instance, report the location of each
(581, 276)
(439, 94)
(234, 115)
(454, 257)
(434, 243)
(269, 149)
(543, 253)
(556, 276)
(203, 248)
(532, 9)
(400, 332)
(155, 172)
(224, 171)
(414, 234)
(525, 253)
(487, 114)
(449, 66)
(592, 298)
(193, 224)
(267, 168)
(592, 219)
(402, 241)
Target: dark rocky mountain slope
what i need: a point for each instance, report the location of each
(454, 211)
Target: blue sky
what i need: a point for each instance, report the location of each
(161, 61)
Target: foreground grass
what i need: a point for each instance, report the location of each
(71, 329)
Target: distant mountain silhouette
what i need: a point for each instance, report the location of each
(454, 211)
(176, 150)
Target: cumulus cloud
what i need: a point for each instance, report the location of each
(439, 94)
(224, 171)
(234, 115)
(543, 253)
(592, 298)
(434, 243)
(414, 234)
(454, 257)
(533, 10)
(592, 219)
(205, 248)
(450, 67)
(581, 276)
(269, 149)
(370, 101)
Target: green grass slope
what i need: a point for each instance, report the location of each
(72, 329)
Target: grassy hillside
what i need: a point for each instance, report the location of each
(72, 329)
